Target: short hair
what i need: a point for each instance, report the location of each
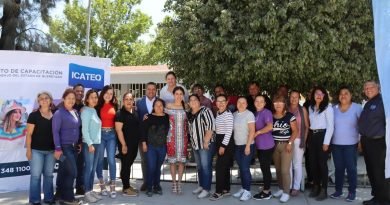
(170, 73)
(67, 92)
(254, 83)
(151, 83)
(373, 82)
(197, 85)
(78, 85)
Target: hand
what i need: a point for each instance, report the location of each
(205, 145)
(221, 151)
(91, 149)
(247, 150)
(28, 154)
(325, 147)
(57, 154)
(257, 133)
(360, 148)
(79, 147)
(145, 117)
(124, 149)
(288, 148)
(144, 147)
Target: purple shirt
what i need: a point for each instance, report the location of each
(264, 141)
(66, 128)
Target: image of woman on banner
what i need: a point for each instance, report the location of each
(13, 125)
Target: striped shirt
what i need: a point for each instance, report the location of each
(224, 125)
(282, 127)
(198, 124)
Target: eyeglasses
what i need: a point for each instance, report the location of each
(278, 103)
(319, 94)
(127, 99)
(44, 98)
(221, 101)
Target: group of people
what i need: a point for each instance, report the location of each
(234, 128)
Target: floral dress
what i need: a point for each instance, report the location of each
(177, 139)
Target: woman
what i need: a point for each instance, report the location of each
(284, 133)
(264, 144)
(40, 150)
(321, 131)
(225, 147)
(166, 92)
(66, 132)
(177, 138)
(154, 139)
(344, 143)
(91, 130)
(244, 134)
(13, 125)
(302, 119)
(106, 109)
(201, 127)
(127, 126)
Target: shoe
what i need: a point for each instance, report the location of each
(96, 195)
(112, 190)
(174, 187)
(314, 191)
(351, 197)
(239, 193)
(80, 191)
(73, 202)
(278, 193)
(370, 201)
(134, 189)
(197, 190)
(246, 196)
(203, 194)
(143, 187)
(103, 188)
(284, 198)
(38, 203)
(294, 192)
(129, 192)
(262, 195)
(336, 195)
(89, 198)
(216, 196)
(157, 190)
(149, 193)
(52, 202)
(179, 188)
(226, 193)
(57, 196)
(322, 195)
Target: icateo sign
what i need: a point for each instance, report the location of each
(87, 76)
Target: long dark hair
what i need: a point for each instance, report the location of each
(158, 100)
(89, 92)
(324, 103)
(182, 90)
(113, 101)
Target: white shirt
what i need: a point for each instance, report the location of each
(323, 120)
(168, 96)
(149, 104)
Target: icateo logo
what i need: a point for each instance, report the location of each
(87, 76)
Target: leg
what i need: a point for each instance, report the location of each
(206, 169)
(339, 164)
(125, 170)
(245, 165)
(143, 164)
(36, 168)
(278, 165)
(151, 168)
(80, 168)
(70, 172)
(286, 159)
(198, 167)
(88, 159)
(111, 149)
(265, 159)
(161, 152)
(48, 169)
(350, 157)
(297, 164)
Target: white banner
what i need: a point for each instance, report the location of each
(382, 51)
(22, 76)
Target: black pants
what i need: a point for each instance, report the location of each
(265, 159)
(144, 164)
(127, 161)
(309, 176)
(318, 159)
(374, 152)
(222, 170)
(80, 170)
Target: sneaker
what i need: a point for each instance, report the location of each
(278, 193)
(351, 197)
(96, 195)
(246, 195)
(73, 202)
(197, 190)
(216, 196)
(284, 198)
(89, 198)
(336, 195)
(157, 190)
(104, 192)
(203, 194)
(113, 194)
(149, 193)
(80, 191)
(239, 193)
(129, 192)
(262, 195)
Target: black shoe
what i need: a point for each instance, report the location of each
(314, 191)
(262, 195)
(57, 196)
(143, 187)
(149, 193)
(38, 203)
(370, 201)
(322, 195)
(157, 190)
(80, 191)
(52, 202)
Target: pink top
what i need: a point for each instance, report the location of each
(299, 120)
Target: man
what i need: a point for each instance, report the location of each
(79, 90)
(232, 100)
(253, 91)
(199, 91)
(372, 128)
(283, 90)
(145, 106)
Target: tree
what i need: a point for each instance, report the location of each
(115, 29)
(296, 42)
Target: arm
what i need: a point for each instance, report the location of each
(85, 119)
(306, 116)
(121, 137)
(251, 137)
(30, 130)
(56, 128)
(265, 129)
(294, 134)
(210, 127)
(329, 127)
(144, 134)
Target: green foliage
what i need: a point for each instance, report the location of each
(115, 29)
(296, 42)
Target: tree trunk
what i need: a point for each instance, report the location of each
(8, 22)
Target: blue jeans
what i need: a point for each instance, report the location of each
(203, 159)
(244, 162)
(67, 172)
(42, 162)
(108, 143)
(345, 158)
(155, 158)
(91, 160)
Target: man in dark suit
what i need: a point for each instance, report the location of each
(144, 107)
